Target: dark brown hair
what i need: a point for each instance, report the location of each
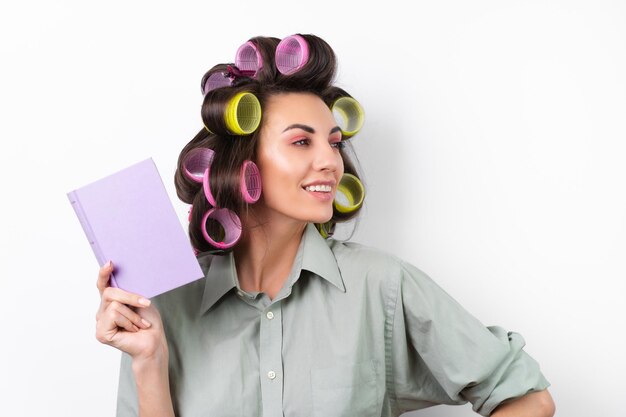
(316, 77)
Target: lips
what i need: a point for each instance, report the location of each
(320, 190)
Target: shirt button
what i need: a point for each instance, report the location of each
(271, 374)
(270, 315)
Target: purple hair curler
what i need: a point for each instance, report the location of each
(250, 182)
(217, 80)
(248, 59)
(292, 53)
(229, 221)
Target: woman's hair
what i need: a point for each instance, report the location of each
(231, 151)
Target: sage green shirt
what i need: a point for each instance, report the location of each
(353, 332)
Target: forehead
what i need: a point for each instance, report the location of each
(282, 110)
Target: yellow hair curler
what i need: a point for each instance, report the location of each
(353, 192)
(349, 115)
(326, 229)
(243, 114)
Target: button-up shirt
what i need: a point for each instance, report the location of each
(354, 331)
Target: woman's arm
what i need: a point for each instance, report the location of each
(153, 390)
(535, 404)
(139, 333)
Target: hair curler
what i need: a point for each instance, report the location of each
(196, 167)
(230, 224)
(292, 53)
(351, 188)
(349, 115)
(227, 112)
(196, 162)
(248, 59)
(326, 229)
(250, 182)
(206, 185)
(218, 79)
(243, 114)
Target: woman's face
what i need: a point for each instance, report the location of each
(298, 157)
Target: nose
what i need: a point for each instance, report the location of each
(326, 157)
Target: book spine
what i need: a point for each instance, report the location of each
(82, 218)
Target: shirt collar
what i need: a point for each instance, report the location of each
(313, 255)
(318, 258)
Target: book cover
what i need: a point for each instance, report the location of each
(129, 219)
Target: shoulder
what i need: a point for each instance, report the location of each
(374, 263)
(357, 255)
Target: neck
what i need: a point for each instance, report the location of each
(266, 253)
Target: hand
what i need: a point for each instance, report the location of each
(128, 321)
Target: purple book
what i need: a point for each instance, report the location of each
(129, 219)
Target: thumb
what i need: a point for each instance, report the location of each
(103, 276)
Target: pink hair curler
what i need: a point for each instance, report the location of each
(206, 184)
(196, 162)
(196, 167)
(248, 59)
(292, 53)
(190, 210)
(229, 221)
(217, 80)
(250, 182)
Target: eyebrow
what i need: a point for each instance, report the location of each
(309, 129)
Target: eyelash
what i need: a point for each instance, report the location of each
(301, 142)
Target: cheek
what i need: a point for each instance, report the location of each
(340, 168)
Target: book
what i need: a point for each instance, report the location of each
(129, 219)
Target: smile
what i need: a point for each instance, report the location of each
(319, 188)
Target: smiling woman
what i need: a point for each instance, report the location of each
(287, 320)
(301, 163)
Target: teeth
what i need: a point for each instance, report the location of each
(322, 188)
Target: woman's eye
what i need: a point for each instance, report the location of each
(339, 145)
(301, 142)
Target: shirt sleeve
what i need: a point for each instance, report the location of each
(127, 390)
(441, 354)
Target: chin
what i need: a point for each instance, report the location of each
(321, 218)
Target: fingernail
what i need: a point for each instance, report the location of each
(108, 264)
(136, 328)
(144, 301)
(146, 322)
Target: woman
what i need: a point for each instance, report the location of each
(287, 322)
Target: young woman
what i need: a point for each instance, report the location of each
(288, 321)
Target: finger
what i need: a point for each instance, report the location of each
(110, 294)
(103, 276)
(118, 320)
(132, 316)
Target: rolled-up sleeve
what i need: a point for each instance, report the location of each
(441, 354)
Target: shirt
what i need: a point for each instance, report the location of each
(354, 331)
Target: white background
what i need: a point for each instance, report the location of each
(493, 150)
